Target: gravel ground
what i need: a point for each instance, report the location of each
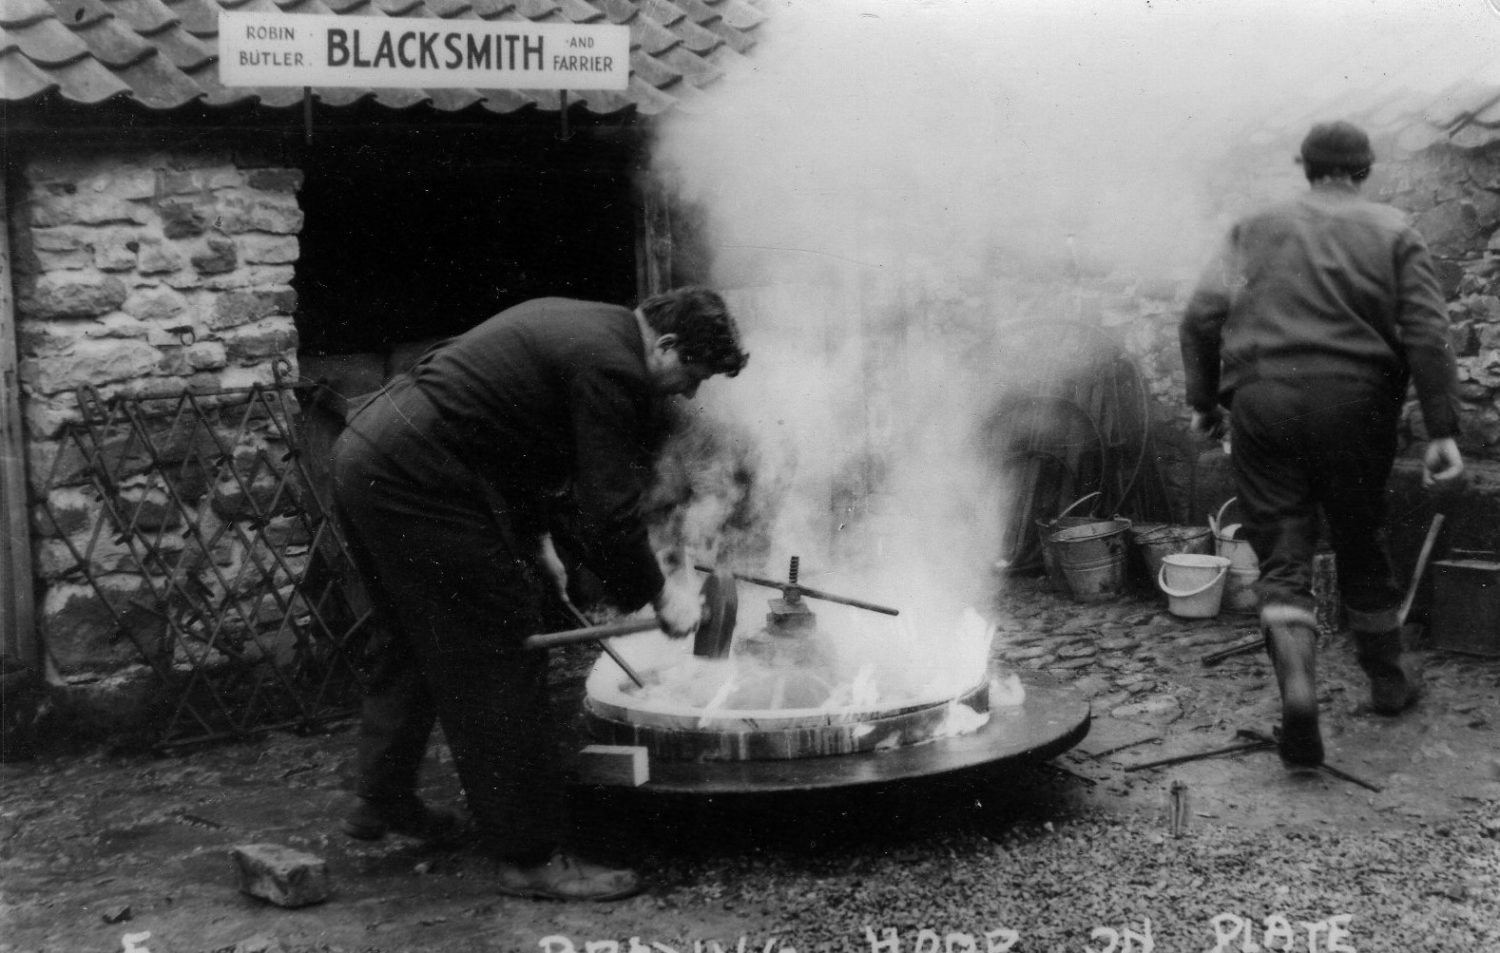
(1064, 885)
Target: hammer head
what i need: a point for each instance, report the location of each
(720, 606)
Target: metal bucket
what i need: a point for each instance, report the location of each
(1229, 544)
(1045, 528)
(1092, 557)
(1154, 542)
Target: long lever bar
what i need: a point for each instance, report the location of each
(810, 593)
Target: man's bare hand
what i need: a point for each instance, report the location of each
(1442, 462)
(679, 608)
(1210, 424)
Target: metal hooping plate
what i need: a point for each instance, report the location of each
(1053, 718)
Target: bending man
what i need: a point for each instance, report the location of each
(444, 483)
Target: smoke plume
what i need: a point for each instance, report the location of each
(880, 181)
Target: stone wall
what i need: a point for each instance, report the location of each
(139, 274)
(1454, 197)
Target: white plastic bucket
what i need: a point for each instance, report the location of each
(1193, 584)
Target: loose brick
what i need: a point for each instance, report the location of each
(280, 875)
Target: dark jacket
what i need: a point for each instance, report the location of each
(1327, 284)
(548, 400)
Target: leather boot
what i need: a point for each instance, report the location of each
(1395, 682)
(1291, 640)
(566, 876)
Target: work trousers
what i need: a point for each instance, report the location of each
(1318, 444)
(457, 595)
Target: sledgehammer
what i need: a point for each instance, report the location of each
(715, 629)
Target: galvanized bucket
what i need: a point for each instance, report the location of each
(1092, 557)
(1228, 542)
(1046, 528)
(1156, 541)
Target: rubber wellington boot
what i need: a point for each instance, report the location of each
(1395, 682)
(1292, 642)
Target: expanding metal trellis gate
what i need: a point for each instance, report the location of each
(201, 523)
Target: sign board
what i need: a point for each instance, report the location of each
(278, 49)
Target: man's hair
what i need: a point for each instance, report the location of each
(1336, 150)
(706, 332)
(1323, 170)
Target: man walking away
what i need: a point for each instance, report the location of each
(1308, 328)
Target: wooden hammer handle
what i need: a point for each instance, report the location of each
(591, 634)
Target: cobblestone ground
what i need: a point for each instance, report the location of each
(1087, 852)
(1153, 697)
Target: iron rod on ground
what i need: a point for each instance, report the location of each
(1214, 658)
(1198, 756)
(1325, 766)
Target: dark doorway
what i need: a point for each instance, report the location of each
(409, 242)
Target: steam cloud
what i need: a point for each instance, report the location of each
(862, 173)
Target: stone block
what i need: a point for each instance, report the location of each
(268, 338)
(256, 493)
(79, 625)
(614, 765)
(69, 510)
(217, 256)
(1458, 227)
(260, 212)
(238, 308)
(84, 209)
(260, 248)
(115, 249)
(47, 415)
(1450, 275)
(283, 532)
(134, 181)
(110, 553)
(48, 338)
(58, 249)
(183, 219)
(280, 875)
(275, 180)
(155, 303)
(116, 325)
(174, 362)
(179, 182)
(72, 296)
(207, 356)
(94, 363)
(237, 378)
(157, 257)
(144, 507)
(1489, 336)
(1463, 339)
(251, 277)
